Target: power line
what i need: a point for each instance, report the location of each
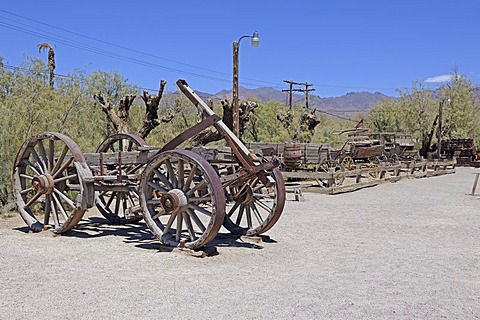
(46, 72)
(334, 115)
(93, 49)
(97, 50)
(112, 55)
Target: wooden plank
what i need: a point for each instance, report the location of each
(114, 158)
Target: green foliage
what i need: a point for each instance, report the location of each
(460, 109)
(416, 110)
(264, 126)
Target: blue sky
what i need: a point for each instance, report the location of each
(338, 46)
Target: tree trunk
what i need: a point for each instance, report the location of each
(120, 121)
(152, 102)
(427, 139)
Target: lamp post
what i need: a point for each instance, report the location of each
(439, 133)
(255, 41)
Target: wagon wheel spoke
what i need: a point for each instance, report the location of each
(171, 174)
(181, 173)
(164, 179)
(198, 186)
(190, 177)
(200, 209)
(158, 187)
(133, 201)
(178, 232)
(111, 198)
(65, 198)
(63, 167)
(48, 210)
(264, 206)
(54, 213)
(25, 191)
(118, 199)
(232, 210)
(59, 162)
(37, 159)
(182, 199)
(170, 221)
(51, 155)
(195, 219)
(43, 155)
(249, 217)
(32, 200)
(189, 225)
(240, 215)
(257, 214)
(60, 207)
(32, 167)
(119, 207)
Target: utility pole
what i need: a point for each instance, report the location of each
(306, 92)
(290, 91)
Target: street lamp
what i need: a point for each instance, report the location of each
(439, 133)
(255, 41)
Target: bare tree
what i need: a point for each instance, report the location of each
(120, 119)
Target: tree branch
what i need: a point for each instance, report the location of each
(120, 125)
(152, 102)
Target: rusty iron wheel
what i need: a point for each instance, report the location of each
(254, 207)
(52, 183)
(120, 207)
(182, 199)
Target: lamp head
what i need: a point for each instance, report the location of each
(255, 39)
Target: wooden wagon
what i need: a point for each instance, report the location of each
(182, 197)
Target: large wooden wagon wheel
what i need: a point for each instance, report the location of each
(328, 166)
(52, 184)
(119, 206)
(254, 206)
(182, 199)
(348, 163)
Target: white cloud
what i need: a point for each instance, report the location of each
(442, 78)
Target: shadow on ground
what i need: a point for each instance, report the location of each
(139, 235)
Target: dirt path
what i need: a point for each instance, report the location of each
(396, 251)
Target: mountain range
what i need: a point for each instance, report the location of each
(350, 103)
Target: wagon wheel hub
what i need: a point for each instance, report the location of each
(174, 201)
(43, 183)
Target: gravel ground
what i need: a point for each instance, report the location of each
(405, 250)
